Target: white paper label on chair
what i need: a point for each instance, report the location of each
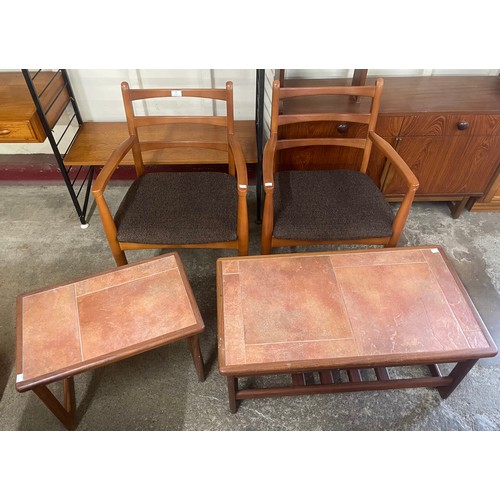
(434, 250)
(19, 378)
(176, 93)
(268, 183)
(243, 186)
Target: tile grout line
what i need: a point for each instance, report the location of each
(241, 325)
(79, 332)
(241, 312)
(302, 341)
(185, 292)
(341, 293)
(127, 282)
(446, 298)
(102, 274)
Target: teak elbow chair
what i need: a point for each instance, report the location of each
(177, 209)
(342, 206)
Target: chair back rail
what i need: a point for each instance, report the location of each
(318, 117)
(219, 94)
(320, 141)
(372, 91)
(134, 122)
(152, 145)
(366, 91)
(146, 121)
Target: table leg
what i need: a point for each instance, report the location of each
(232, 387)
(69, 395)
(66, 413)
(457, 374)
(194, 347)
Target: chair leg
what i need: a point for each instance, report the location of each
(118, 254)
(265, 247)
(266, 238)
(243, 247)
(393, 241)
(120, 259)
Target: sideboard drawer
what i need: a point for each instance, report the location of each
(21, 131)
(446, 125)
(345, 130)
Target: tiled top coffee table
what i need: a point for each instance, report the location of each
(318, 312)
(75, 327)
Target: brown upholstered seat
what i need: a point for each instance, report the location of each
(322, 204)
(174, 210)
(329, 204)
(178, 209)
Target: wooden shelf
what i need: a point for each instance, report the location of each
(97, 140)
(19, 120)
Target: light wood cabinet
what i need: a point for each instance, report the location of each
(446, 128)
(19, 120)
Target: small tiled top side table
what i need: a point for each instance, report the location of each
(72, 328)
(343, 318)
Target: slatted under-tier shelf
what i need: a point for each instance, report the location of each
(348, 380)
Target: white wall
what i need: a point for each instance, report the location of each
(99, 96)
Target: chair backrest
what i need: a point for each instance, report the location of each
(343, 110)
(204, 140)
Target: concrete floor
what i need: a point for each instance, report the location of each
(43, 244)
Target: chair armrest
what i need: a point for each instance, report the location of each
(240, 163)
(396, 160)
(268, 164)
(403, 211)
(111, 165)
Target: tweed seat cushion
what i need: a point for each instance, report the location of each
(179, 208)
(329, 205)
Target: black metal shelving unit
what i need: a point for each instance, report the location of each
(259, 125)
(78, 180)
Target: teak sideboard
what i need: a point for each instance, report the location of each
(447, 128)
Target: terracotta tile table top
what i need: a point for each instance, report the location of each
(67, 329)
(287, 312)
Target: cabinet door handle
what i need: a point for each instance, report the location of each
(5, 132)
(462, 125)
(342, 128)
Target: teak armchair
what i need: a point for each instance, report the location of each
(339, 206)
(177, 209)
